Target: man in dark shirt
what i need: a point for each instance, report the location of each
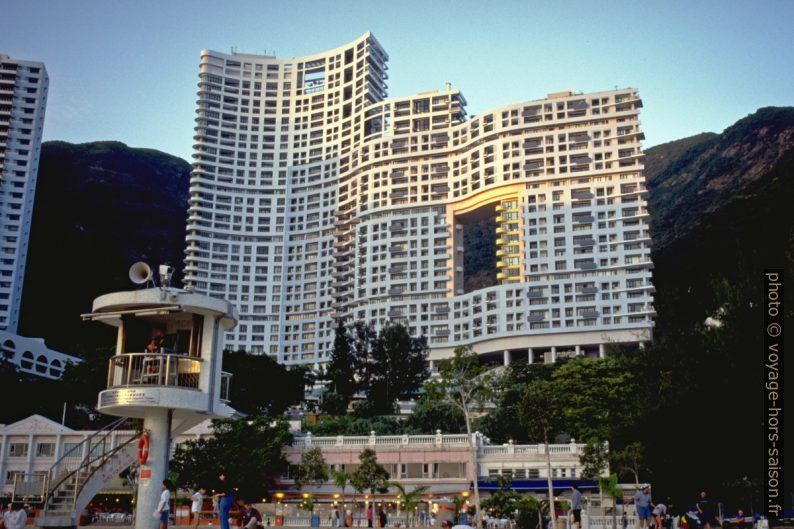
(249, 517)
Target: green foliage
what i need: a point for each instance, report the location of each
(542, 412)
(369, 475)
(594, 459)
(246, 451)
(409, 500)
(312, 469)
(350, 425)
(341, 370)
(432, 413)
(629, 460)
(599, 396)
(260, 385)
(395, 367)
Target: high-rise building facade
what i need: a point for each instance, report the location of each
(23, 100)
(315, 198)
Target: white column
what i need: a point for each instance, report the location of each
(578, 350)
(158, 424)
(3, 456)
(506, 357)
(553, 354)
(31, 448)
(641, 345)
(601, 351)
(530, 356)
(432, 366)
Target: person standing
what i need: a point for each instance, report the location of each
(16, 518)
(196, 501)
(335, 516)
(382, 518)
(369, 515)
(643, 502)
(704, 510)
(225, 496)
(164, 506)
(576, 506)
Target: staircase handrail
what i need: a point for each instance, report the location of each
(105, 456)
(101, 434)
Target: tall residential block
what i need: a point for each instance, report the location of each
(23, 99)
(314, 198)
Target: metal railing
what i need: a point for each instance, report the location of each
(154, 369)
(92, 450)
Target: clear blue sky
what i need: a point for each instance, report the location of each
(127, 70)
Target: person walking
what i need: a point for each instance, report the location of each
(225, 495)
(335, 516)
(164, 506)
(643, 502)
(576, 506)
(369, 515)
(196, 501)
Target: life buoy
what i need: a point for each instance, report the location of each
(143, 449)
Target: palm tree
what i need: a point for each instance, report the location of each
(341, 479)
(410, 500)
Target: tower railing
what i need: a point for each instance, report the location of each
(154, 369)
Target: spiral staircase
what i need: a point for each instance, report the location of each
(82, 472)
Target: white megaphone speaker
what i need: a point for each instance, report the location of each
(140, 273)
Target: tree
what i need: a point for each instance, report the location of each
(409, 500)
(342, 368)
(394, 368)
(599, 396)
(247, 451)
(594, 460)
(431, 414)
(542, 416)
(312, 469)
(370, 475)
(341, 479)
(260, 385)
(466, 385)
(630, 459)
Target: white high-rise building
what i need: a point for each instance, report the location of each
(314, 198)
(23, 100)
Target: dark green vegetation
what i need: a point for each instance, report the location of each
(384, 366)
(246, 451)
(99, 208)
(479, 254)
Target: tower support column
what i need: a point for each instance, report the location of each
(157, 423)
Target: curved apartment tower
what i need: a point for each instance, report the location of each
(314, 198)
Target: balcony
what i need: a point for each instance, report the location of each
(153, 369)
(395, 313)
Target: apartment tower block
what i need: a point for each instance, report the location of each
(23, 100)
(316, 198)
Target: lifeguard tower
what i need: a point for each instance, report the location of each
(166, 370)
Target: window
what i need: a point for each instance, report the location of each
(45, 449)
(17, 449)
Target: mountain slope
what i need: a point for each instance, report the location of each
(99, 207)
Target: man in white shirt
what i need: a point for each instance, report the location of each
(197, 499)
(16, 518)
(164, 507)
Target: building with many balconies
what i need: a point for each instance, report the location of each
(23, 100)
(314, 198)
